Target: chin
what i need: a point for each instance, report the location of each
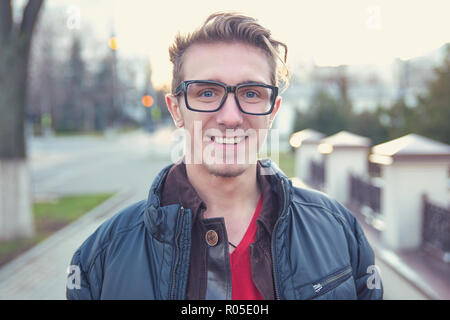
(227, 170)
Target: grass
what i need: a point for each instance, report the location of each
(96, 134)
(49, 217)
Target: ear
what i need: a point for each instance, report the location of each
(174, 109)
(276, 107)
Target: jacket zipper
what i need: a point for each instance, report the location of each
(277, 297)
(177, 248)
(320, 285)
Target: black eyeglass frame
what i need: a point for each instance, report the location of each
(184, 84)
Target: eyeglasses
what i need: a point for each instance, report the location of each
(209, 96)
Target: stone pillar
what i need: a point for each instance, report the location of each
(410, 167)
(305, 143)
(344, 153)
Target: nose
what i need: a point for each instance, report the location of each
(229, 115)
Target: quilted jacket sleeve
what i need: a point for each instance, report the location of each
(365, 272)
(368, 277)
(85, 274)
(78, 287)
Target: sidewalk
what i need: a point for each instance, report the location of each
(32, 277)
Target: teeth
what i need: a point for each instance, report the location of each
(232, 140)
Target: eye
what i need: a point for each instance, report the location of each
(251, 94)
(207, 93)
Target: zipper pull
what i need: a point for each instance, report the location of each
(317, 287)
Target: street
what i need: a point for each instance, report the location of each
(86, 164)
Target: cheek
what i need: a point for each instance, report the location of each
(195, 128)
(260, 126)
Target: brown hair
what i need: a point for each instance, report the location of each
(226, 27)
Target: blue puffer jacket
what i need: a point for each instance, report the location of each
(319, 250)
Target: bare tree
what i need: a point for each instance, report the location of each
(15, 192)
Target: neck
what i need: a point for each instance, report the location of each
(225, 196)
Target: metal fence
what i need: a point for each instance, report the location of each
(317, 175)
(436, 227)
(374, 169)
(364, 193)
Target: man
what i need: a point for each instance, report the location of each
(217, 224)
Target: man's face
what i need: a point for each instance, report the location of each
(209, 134)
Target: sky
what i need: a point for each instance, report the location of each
(328, 32)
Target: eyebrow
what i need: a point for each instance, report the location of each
(242, 82)
(250, 81)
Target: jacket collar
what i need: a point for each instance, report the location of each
(179, 190)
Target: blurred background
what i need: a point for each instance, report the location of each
(84, 128)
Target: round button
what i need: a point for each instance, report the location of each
(211, 238)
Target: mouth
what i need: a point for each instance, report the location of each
(228, 140)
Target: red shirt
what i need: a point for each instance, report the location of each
(243, 287)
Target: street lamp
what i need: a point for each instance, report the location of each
(147, 101)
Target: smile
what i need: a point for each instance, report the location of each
(229, 140)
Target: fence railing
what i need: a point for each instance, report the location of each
(317, 174)
(374, 169)
(365, 193)
(436, 227)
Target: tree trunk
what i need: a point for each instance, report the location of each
(13, 88)
(16, 219)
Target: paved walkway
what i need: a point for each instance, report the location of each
(41, 273)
